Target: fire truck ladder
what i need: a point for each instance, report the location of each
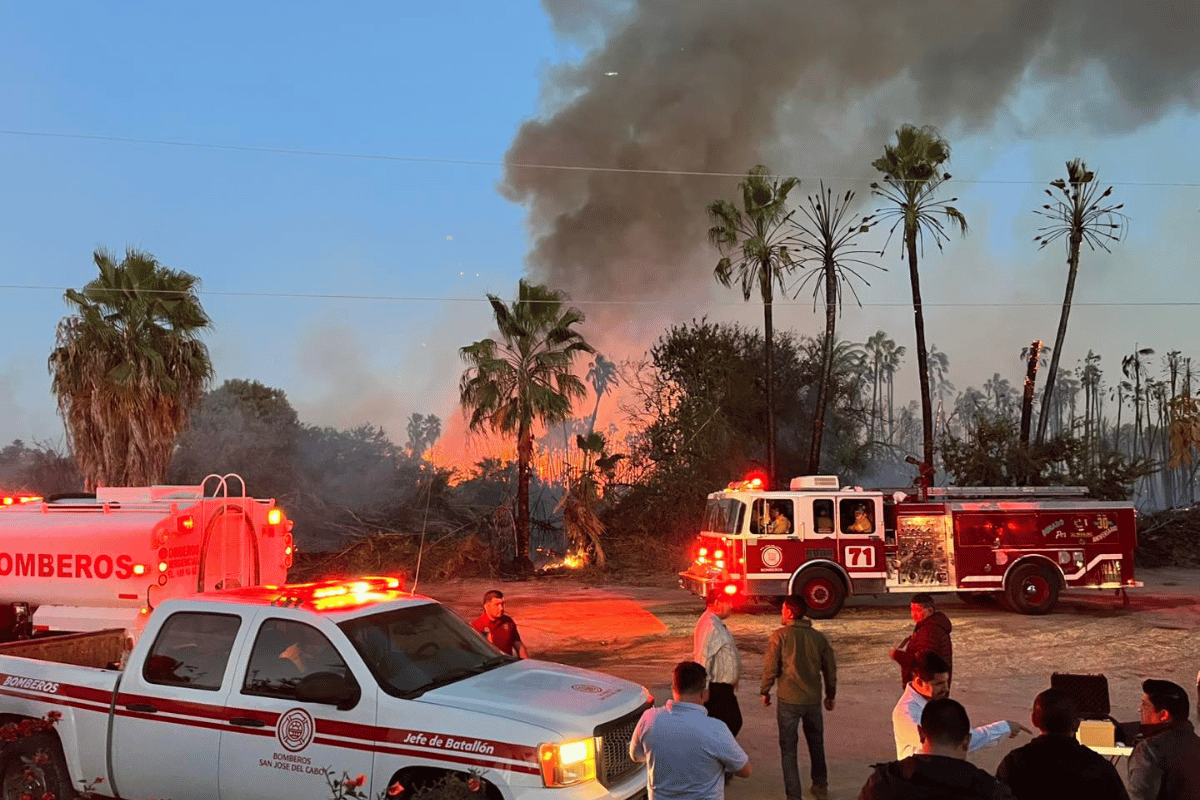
(229, 519)
(955, 492)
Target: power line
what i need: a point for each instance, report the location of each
(244, 148)
(636, 302)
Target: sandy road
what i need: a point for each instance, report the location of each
(1001, 659)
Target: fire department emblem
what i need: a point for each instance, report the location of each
(771, 556)
(586, 687)
(295, 729)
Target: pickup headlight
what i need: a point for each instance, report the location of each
(567, 763)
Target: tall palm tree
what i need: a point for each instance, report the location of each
(912, 175)
(602, 375)
(939, 385)
(128, 367)
(893, 359)
(880, 350)
(1066, 400)
(1133, 366)
(757, 236)
(1034, 358)
(1091, 379)
(1078, 213)
(524, 378)
(825, 237)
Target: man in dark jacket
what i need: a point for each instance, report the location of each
(798, 662)
(940, 771)
(931, 633)
(1055, 765)
(1165, 765)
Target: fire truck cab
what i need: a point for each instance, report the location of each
(826, 542)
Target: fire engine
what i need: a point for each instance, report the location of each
(826, 542)
(88, 562)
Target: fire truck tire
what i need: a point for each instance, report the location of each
(822, 590)
(17, 779)
(1032, 589)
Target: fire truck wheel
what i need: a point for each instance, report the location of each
(822, 590)
(1032, 589)
(22, 776)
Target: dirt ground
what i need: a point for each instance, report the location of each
(1002, 660)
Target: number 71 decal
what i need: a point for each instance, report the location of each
(860, 556)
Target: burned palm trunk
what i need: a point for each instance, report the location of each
(1031, 368)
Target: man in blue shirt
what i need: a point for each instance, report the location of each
(687, 751)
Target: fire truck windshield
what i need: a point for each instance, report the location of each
(724, 515)
(414, 649)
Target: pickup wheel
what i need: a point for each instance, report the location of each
(1032, 589)
(822, 591)
(34, 766)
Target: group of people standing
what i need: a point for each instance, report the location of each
(691, 748)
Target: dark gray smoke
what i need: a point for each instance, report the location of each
(811, 87)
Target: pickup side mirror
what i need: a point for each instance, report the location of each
(329, 688)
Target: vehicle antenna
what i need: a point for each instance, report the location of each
(424, 523)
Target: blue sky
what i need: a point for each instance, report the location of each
(351, 282)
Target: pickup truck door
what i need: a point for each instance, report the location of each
(168, 715)
(279, 748)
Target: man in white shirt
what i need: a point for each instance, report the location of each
(688, 753)
(714, 647)
(931, 681)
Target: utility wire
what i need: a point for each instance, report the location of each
(244, 148)
(655, 302)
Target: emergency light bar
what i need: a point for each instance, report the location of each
(338, 593)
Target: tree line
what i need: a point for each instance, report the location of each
(706, 403)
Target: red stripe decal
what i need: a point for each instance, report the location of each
(527, 769)
(454, 748)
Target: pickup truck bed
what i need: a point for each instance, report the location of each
(102, 649)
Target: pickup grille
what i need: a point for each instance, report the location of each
(612, 752)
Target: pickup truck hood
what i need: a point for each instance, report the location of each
(562, 699)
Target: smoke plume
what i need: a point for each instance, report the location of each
(810, 87)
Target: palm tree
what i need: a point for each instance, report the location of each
(826, 240)
(881, 352)
(939, 385)
(602, 375)
(1080, 216)
(1132, 366)
(524, 378)
(1000, 390)
(1066, 399)
(758, 237)
(893, 358)
(911, 177)
(127, 368)
(1091, 379)
(1034, 357)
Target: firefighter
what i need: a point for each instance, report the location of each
(779, 525)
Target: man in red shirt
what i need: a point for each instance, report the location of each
(499, 628)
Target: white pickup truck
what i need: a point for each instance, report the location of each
(273, 691)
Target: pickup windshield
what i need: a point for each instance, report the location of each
(412, 650)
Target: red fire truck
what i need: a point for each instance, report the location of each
(826, 542)
(87, 562)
